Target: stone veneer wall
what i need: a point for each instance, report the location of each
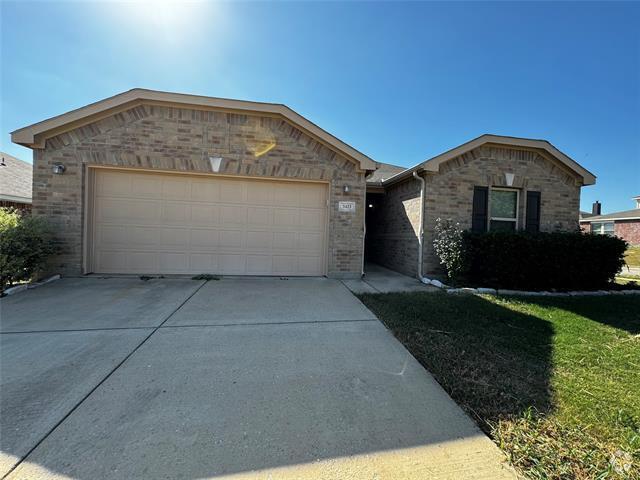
(182, 140)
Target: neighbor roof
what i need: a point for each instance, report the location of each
(584, 215)
(433, 164)
(34, 136)
(15, 179)
(626, 215)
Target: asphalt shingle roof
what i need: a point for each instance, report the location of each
(626, 215)
(15, 177)
(384, 171)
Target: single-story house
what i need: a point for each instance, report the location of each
(490, 183)
(15, 182)
(150, 182)
(625, 225)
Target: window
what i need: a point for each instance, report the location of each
(603, 228)
(503, 208)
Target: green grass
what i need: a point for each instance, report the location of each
(632, 256)
(555, 382)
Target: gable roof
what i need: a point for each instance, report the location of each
(633, 214)
(433, 164)
(15, 179)
(34, 136)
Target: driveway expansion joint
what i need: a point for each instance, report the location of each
(257, 324)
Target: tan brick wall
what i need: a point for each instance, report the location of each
(181, 139)
(393, 226)
(449, 194)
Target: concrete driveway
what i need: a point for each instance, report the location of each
(237, 378)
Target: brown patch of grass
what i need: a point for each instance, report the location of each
(553, 381)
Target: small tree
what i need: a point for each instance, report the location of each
(25, 244)
(448, 246)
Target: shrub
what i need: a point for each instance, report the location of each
(25, 244)
(541, 261)
(448, 246)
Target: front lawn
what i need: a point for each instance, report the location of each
(632, 256)
(555, 382)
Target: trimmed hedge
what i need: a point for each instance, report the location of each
(25, 244)
(541, 261)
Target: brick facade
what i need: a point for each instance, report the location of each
(168, 138)
(628, 230)
(393, 223)
(449, 194)
(24, 208)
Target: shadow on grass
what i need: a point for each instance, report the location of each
(620, 312)
(493, 361)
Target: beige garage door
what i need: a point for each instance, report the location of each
(160, 223)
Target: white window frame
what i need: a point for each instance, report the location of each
(503, 219)
(601, 230)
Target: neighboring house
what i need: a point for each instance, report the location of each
(15, 182)
(154, 182)
(490, 183)
(625, 225)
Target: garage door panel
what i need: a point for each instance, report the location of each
(288, 195)
(231, 239)
(312, 219)
(313, 198)
(123, 211)
(205, 191)
(284, 263)
(205, 215)
(203, 263)
(204, 239)
(286, 217)
(233, 215)
(310, 242)
(284, 241)
(142, 237)
(175, 213)
(160, 223)
(260, 194)
(259, 264)
(259, 240)
(146, 186)
(174, 238)
(143, 261)
(308, 265)
(174, 262)
(231, 264)
(111, 262)
(112, 235)
(259, 216)
(114, 184)
(176, 189)
(232, 191)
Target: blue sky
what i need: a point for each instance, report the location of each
(401, 82)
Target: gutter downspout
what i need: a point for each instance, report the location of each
(364, 233)
(421, 231)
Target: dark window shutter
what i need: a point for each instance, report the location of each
(532, 223)
(480, 209)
